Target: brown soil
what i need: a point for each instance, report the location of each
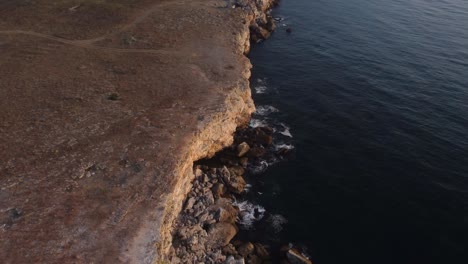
(104, 106)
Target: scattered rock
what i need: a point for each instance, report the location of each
(236, 171)
(205, 178)
(263, 137)
(198, 172)
(204, 229)
(208, 198)
(189, 204)
(218, 190)
(229, 249)
(261, 251)
(232, 260)
(295, 257)
(242, 149)
(246, 249)
(257, 152)
(220, 234)
(225, 174)
(236, 184)
(224, 211)
(289, 30)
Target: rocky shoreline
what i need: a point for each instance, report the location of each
(135, 93)
(205, 230)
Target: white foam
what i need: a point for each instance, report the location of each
(284, 146)
(260, 89)
(286, 131)
(277, 221)
(260, 167)
(247, 187)
(264, 110)
(257, 123)
(249, 213)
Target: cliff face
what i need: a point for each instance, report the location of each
(101, 126)
(217, 133)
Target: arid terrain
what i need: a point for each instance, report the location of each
(104, 107)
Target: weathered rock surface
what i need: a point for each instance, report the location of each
(204, 229)
(236, 184)
(220, 234)
(242, 149)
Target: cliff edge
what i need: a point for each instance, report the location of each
(104, 107)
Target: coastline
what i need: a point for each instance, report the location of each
(100, 135)
(182, 222)
(138, 132)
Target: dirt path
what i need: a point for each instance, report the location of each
(90, 43)
(81, 44)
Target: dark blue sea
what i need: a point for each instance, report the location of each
(375, 96)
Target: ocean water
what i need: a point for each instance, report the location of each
(375, 96)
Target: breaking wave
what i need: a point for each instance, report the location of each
(257, 123)
(249, 213)
(285, 131)
(264, 110)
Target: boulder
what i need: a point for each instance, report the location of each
(295, 257)
(246, 249)
(218, 190)
(263, 136)
(205, 178)
(223, 211)
(229, 249)
(189, 203)
(208, 198)
(236, 171)
(232, 260)
(261, 251)
(197, 172)
(223, 215)
(187, 232)
(220, 234)
(270, 25)
(256, 152)
(242, 149)
(265, 129)
(236, 184)
(224, 174)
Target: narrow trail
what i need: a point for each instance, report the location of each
(81, 44)
(89, 43)
(139, 17)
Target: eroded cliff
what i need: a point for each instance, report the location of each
(101, 125)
